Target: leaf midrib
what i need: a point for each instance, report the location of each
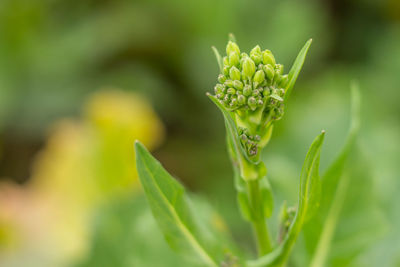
(192, 240)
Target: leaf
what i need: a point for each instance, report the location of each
(219, 59)
(334, 192)
(120, 237)
(171, 210)
(340, 232)
(123, 238)
(296, 68)
(308, 201)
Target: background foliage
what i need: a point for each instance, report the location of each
(58, 56)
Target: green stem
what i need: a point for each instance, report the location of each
(259, 223)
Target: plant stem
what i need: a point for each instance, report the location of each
(259, 224)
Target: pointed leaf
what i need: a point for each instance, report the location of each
(172, 211)
(219, 59)
(296, 68)
(335, 186)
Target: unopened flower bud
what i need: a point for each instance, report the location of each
(233, 59)
(226, 70)
(226, 98)
(279, 69)
(268, 58)
(257, 59)
(225, 60)
(259, 77)
(241, 99)
(234, 73)
(229, 83)
(284, 80)
(238, 85)
(255, 54)
(221, 78)
(219, 88)
(231, 91)
(252, 102)
(248, 68)
(255, 92)
(256, 50)
(247, 90)
(269, 71)
(232, 47)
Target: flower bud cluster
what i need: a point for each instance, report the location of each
(250, 142)
(251, 82)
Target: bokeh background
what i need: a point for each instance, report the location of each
(81, 80)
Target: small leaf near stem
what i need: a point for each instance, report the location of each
(219, 59)
(296, 68)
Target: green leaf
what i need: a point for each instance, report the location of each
(335, 186)
(347, 200)
(308, 201)
(219, 59)
(172, 211)
(296, 68)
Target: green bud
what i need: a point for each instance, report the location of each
(279, 69)
(248, 68)
(226, 70)
(269, 72)
(238, 85)
(220, 96)
(247, 90)
(255, 50)
(233, 102)
(234, 73)
(226, 98)
(256, 58)
(255, 92)
(259, 77)
(260, 103)
(231, 91)
(219, 88)
(268, 58)
(232, 47)
(225, 61)
(252, 102)
(234, 59)
(241, 99)
(229, 83)
(284, 80)
(221, 78)
(255, 55)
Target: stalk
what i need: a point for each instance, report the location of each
(259, 224)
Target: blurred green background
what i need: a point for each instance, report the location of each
(81, 80)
